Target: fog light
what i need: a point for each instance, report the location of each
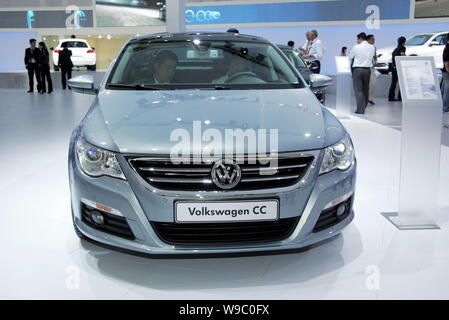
(97, 217)
(341, 210)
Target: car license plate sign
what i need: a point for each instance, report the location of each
(226, 211)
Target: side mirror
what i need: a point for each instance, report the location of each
(434, 43)
(312, 66)
(83, 84)
(320, 81)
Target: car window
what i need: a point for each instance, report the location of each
(203, 64)
(418, 40)
(441, 39)
(75, 44)
(295, 58)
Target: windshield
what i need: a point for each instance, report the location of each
(294, 57)
(75, 44)
(418, 40)
(202, 64)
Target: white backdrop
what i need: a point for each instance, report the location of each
(12, 49)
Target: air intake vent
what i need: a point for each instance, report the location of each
(223, 233)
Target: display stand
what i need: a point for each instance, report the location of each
(344, 87)
(420, 144)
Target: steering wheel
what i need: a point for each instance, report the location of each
(241, 74)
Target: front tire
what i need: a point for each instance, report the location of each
(56, 68)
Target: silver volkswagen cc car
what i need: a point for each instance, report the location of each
(208, 143)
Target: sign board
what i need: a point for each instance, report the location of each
(422, 118)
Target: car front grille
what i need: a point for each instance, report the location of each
(163, 174)
(329, 217)
(224, 233)
(113, 224)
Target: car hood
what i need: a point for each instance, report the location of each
(387, 52)
(143, 122)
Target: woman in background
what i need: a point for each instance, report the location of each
(44, 66)
(344, 52)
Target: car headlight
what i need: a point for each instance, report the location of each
(340, 156)
(97, 162)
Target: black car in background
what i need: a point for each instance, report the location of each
(302, 68)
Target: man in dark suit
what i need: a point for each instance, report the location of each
(31, 63)
(65, 63)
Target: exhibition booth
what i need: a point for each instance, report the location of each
(193, 152)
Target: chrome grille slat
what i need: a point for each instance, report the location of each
(163, 174)
(177, 180)
(176, 170)
(269, 178)
(180, 175)
(274, 168)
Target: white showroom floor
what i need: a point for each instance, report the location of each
(42, 258)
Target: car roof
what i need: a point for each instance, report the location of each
(72, 39)
(201, 36)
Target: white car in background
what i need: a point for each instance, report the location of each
(425, 44)
(83, 55)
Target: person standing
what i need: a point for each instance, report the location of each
(44, 68)
(31, 57)
(344, 52)
(313, 51)
(399, 51)
(65, 63)
(362, 60)
(445, 80)
(232, 30)
(373, 79)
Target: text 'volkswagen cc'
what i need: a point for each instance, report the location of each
(208, 143)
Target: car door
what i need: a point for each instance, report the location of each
(437, 49)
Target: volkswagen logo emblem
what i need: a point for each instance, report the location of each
(226, 174)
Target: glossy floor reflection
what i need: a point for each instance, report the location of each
(42, 257)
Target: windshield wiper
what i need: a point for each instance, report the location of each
(221, 88)
(132, 86)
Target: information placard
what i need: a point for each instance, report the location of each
(420, 144)
(419, 81)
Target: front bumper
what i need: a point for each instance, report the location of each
(79, 61)
(83, 62)
(139, 206)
